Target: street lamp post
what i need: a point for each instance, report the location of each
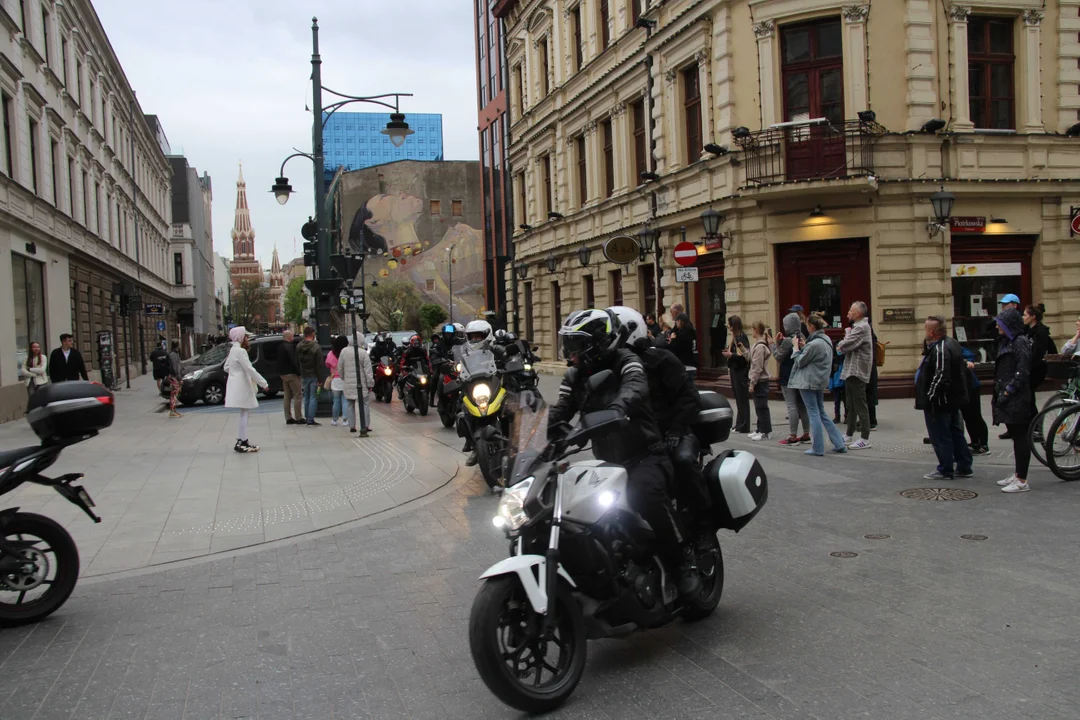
(450, 270)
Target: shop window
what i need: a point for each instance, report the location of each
(590, 291)
(28, 284)
(615, 293)
(711, 315)
(609, 157)
(640, 157)
(692, 111)
(813, 85)
(991, 62)
(582, 172)
(983, 270)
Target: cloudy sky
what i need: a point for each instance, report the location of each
(230, 80)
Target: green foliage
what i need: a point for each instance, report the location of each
(295, 301)
(431, 316)
(250, 303)
(393, 304)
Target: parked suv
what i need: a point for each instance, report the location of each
(204, 376)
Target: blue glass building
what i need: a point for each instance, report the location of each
(355, 141)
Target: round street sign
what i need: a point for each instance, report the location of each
(1076, 223)
(622, 249)
(686, 254)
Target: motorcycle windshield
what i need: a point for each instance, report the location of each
(528, 433)
(478, 364)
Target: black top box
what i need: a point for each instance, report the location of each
(67, 412)
(714, 419)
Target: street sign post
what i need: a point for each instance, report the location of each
(686, 274)
(685, 256)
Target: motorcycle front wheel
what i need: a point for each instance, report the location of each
(46, 574)
(710, 561)
(489, 463)
(522, 669)
(422, 402)
(446, 413)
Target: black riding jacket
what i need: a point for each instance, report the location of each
(675, 400)
(629, 393)
(385, 348)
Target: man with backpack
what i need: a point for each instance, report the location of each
(159, 362)
(173, 378)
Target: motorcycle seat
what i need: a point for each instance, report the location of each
(11, 457)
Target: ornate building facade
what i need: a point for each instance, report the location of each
(818, 130)
(275, 312)
(244, 266)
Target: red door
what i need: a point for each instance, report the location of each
(824, 277)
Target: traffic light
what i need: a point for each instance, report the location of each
(309, 254)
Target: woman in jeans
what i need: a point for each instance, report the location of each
(783, 350)
(759, 379)
(810, 376)
(738, 362)
(337, 385)
(1012, 387)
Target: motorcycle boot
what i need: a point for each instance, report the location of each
(647, 483)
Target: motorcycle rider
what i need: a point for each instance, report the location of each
(414, 352)
(442, 351)
(384, 346)
(590, 340)
(478, 338)
(674, 399)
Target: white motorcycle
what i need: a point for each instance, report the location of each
(583, 564)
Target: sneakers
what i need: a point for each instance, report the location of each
(804, 439)
(173, 413)
(860, 444)
(1016, 486)
(290, 421)
(333, 423)
(243, 446)
(760, 436)
(471, 460)
(689, 583)
(848, 440)
(965, 473)
(980, 450)
(937, 475)
(789, 440)
(1007, 481)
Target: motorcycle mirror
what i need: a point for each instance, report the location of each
(536, 348)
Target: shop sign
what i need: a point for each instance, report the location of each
(1008, 269)
(1074, 221)
(154, 309)
(622, 249)
(906, 314)
(967, 224)
(714, 243)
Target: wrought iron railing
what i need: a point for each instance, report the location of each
(809, 151)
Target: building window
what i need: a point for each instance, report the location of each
(635, 12)
(429, 285)
(86, 200)
(35, 130)
(78, 81)
(615, 295)
(813, 71)
(609, 157)
(54, 162)
(545, 82)
(575, 28)
(9, 148)
(640, 156)
(548, 195)
(556, 310)
(178, 269)
(28, 284)
(456, 208)
(605, 25)
(582, 172)
(692, 109)
(45, 34)
(436, 207)
(990, 73)
(590, 292)
(519, 85)
(71, 188)
(22, 18)
(97, 210)
(529, 312)
(647, 288)
(523, 201)
(63, 60)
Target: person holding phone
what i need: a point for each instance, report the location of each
(738, 361)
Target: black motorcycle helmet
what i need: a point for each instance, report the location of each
(589, 336)
(449, 333)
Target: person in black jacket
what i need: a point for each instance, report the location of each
(738, 362)
(289, 369)
(1041, 346)
(1012, 387)
(684, 343)
(65, 362)
(941, 391)
(590, 339)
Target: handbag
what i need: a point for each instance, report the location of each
(836, 381)
(326, 384)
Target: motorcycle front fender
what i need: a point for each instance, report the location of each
(488, 432)
(530, 571)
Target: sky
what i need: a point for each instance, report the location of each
(230, 79)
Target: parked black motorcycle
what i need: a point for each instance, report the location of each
(39, 563)
(414, 388)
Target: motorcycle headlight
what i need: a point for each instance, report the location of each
(387, 371)
(512, 513)
(423, 379)
(527, 367)
(457, 367)
(481, 393)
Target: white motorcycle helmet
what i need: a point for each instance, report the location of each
(634, 334)
(478, 334)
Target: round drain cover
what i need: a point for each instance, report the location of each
(877, 536)
(939, 494)
(843, 554)
(973, 537)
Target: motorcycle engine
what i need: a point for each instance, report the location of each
(646, 584)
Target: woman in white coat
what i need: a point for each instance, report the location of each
(241, 386)
(347, 371)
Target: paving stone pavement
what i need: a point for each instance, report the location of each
(370, 621)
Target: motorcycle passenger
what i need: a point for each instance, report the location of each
(675, 402)
(414, 352)
(590, 340)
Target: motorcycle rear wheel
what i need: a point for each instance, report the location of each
(55, 562)
(516, 665)
(711, 566)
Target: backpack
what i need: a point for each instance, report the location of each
(879, 352)
(161, 367)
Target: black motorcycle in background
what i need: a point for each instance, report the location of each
(385, 376)
(414, 387)
(39, 562)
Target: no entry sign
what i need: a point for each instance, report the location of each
(686, 254)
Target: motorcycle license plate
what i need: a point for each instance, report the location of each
(85, 497)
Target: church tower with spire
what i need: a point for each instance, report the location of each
(245, 267)
(276, 312)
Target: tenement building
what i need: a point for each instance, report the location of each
(818, 131)
(84, 196)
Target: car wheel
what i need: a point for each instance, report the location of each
(214, 394)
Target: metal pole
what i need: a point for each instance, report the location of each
(685, 285)
(360, 414)
(322, 245)
(450, 268)
(127, 352)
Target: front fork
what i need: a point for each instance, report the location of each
(551, 568)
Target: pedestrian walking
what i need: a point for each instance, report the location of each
(289, 370)
(810, 374)
(36, 367)
(783, 352)
(241, 386)
(858, 349)
(1041, 346)
(1012, 406)
(65, 362)
(355, 384)
(309, 358)
(738, 362)
(759, 379)
(336, 384)
(175, 373)
(941, 390)
(978, 433)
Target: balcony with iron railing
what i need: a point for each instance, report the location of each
(809, 150)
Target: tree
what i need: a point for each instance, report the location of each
(250, 303)
(431, 316)
(393, 303)
(295, 301)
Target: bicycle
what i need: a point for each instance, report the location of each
(1060, 418)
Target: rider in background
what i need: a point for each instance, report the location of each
(415, 351)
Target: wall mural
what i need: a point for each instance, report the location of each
(388, 224)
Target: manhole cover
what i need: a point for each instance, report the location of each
(939, 494)
(877, 536)
(972, 537)
(843, 554)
